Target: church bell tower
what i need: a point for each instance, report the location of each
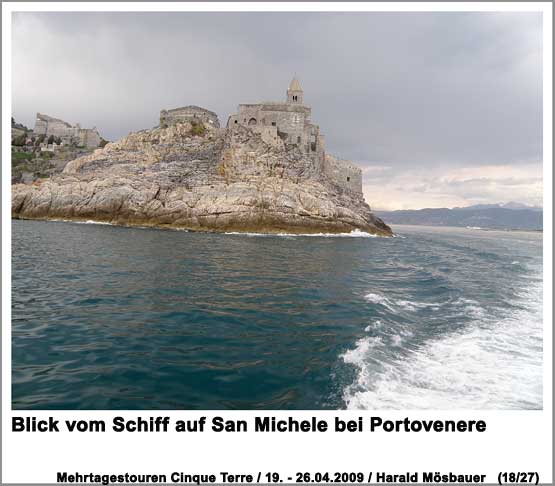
(295, 92)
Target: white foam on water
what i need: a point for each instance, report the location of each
(391, 304)
(496, 363)
(353, 234)
(379, 299)
(88, 221)
(396, 340)
(410, 305)
(362, 348)
(375, 325)
(471, 307)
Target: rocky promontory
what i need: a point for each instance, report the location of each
(198, 177)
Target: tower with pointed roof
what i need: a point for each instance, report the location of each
(295, 92)
(287, 124)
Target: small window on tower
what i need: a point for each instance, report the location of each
(348, 179)
(235, 121)
(298, 139)
(273, 124)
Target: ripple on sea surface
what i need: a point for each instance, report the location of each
(128, 318)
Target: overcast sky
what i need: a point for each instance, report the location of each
(439, 109)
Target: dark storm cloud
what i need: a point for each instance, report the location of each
(401, 90)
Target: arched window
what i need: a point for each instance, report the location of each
(252, 121)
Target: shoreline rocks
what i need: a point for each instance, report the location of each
(216, 179)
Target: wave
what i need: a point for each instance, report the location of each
(494, 363)
(390, 303)
(375, 325)
(471, 307)
(88, 221)
(359, 353)
(353, 234)
(379, 299)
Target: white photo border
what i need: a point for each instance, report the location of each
(515, 439)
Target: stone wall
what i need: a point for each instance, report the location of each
(85, 137)
(189, 114)
(292, 122)
(89, 137)
(47, 125)
(270, 136)
(344, 174)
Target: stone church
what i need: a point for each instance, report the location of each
(288, 122)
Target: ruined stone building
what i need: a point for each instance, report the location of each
(189, 113)
(70, 134)
(289, 122)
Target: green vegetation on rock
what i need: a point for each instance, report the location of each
(198, 128)
(21, 156)
(224, 180)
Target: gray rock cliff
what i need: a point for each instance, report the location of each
(202, 178)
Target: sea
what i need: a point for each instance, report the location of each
(108, 317)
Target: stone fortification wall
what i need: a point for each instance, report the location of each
(47, 125)
(89, 137)
(188, 114)
(85, 137)
(344, 174)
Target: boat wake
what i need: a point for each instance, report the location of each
(495, 362)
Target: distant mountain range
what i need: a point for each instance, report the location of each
(505, 216)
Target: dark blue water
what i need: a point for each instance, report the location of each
(117, 318)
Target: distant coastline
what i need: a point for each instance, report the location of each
(508, 217)
(463, 228)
